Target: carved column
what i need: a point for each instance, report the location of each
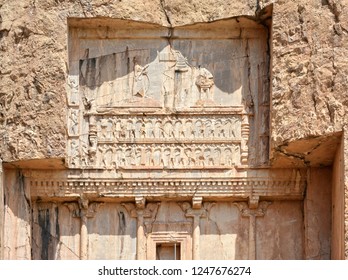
(83, 235)
(245, 138)
(92, 136)
(83, 210)
(196, 212)
(140, 211)
(252, 213)
(196, 215)
(141, 251)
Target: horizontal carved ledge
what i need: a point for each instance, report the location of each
(198, 167)
(158, 111)
(126, 31)
(186, 188)
(206, 141)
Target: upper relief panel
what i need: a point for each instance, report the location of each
(153, 92)
(156, 74)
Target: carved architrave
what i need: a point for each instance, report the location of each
(233, 188)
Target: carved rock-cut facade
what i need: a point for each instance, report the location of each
(157, 113)
(168, 154)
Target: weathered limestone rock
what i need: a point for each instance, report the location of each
(17, 218)
(309, 73)
(2, 211)
(299, 35)
(170, 114)
(34, 70)
(318, 214)
(179, 12)
(344, 205)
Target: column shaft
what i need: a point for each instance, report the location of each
(140, 237)
(252, 237)
(196, 237)
(83, 237)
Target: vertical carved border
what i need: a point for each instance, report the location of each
(73, 90)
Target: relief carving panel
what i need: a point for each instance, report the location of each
(182, 103)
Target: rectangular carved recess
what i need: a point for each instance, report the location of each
(147, 102)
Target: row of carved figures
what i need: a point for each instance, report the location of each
(114, 156)
(157, 128)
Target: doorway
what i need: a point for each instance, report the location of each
(168, 251)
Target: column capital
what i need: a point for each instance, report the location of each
(248, 211)
(197, 202)
(83, 208)
(145, 212)
(192, 212)
(254, 201)
(140, 210)
(140, 202)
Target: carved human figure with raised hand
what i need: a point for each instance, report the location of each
(141, 80)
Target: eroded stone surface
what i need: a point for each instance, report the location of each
(298, 35)
(309, 69)
(318, 218)
(170, 139)
(287, 237)
(34, 70)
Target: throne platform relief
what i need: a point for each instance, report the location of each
(158, 110)
(151, 104)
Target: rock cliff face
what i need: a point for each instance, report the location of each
(308, 73)
(34, 66)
